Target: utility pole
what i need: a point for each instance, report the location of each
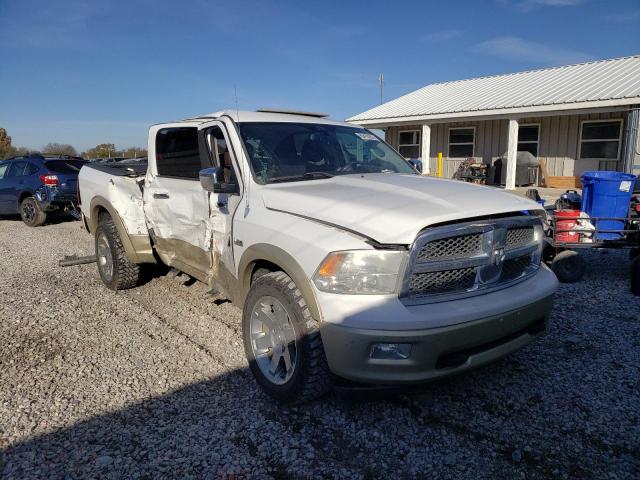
(381, 80)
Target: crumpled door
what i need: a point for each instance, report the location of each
(176, 206)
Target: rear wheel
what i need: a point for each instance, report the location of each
(568, 266)
(115, 269)
(31, 212)
(282, 341)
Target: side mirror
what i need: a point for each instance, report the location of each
(212, 180)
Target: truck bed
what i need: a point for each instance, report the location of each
(121, 185)
(121, 169)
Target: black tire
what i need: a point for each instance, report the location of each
(115, 269)
(311, 377)
(634, 253)
(568, 266)
(32, 213)
(635, 276)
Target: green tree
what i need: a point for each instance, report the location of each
(104, 150)
(6, 149)
(135, 152)
(59, 149)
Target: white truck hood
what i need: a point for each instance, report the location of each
(390, 208)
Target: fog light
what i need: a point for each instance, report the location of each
(390, 351)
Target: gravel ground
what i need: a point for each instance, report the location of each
(152, 383)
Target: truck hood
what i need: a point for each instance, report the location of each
(390, 208)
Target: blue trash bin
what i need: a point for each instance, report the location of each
(607, 194)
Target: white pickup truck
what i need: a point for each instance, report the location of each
(345, 261)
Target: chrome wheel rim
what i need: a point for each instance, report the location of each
(273, 340)
(105, 259)
(28, 212)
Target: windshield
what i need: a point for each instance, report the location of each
(281, 152)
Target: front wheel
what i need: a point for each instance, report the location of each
(282, 341)
(32, 213)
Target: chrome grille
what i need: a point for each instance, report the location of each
(519, 237)
(445, 281)
(471, 258)
(452, 247)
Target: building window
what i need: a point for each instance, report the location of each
(528, 136)
(409, 143)
(600, 140)
(461, 141)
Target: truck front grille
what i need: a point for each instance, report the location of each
(444, 281)
(471, 258)
(519, 237)
(451, 247)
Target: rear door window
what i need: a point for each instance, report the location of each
(16, 169)
(64, 166)
(177, 153)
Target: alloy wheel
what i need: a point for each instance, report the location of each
(273, 340)
(105, 258)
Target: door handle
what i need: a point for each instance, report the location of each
(160, 195)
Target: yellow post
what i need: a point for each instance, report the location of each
(440, 164)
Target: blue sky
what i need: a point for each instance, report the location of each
(87, 72)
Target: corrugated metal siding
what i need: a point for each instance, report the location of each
(588, 82)
(558, 143)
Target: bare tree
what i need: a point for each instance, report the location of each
(59, 149)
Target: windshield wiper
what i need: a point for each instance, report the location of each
(304, 176)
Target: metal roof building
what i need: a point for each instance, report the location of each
(576, 117)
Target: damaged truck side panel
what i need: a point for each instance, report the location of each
(345, 261)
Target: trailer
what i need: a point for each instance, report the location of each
(571, 230)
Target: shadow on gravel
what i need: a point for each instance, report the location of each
(217, 429)
(52, 219)
(198, 430)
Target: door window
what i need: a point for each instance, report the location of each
(221, 154)
(177, 153)
(3, 169)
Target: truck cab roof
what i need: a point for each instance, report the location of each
(266, 115)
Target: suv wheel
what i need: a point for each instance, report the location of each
(115, 269)
(282, 341)
(31, 212)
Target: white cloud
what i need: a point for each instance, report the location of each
(555, 3)
(623, 17)
(528, 5)
(442, 35)
(515, 48)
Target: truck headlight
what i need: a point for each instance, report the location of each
(360, 272)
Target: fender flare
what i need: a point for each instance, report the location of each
(98, 203)
(288, 264)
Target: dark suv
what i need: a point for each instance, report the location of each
(36, 185)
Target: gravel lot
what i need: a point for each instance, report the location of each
(153, 383)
